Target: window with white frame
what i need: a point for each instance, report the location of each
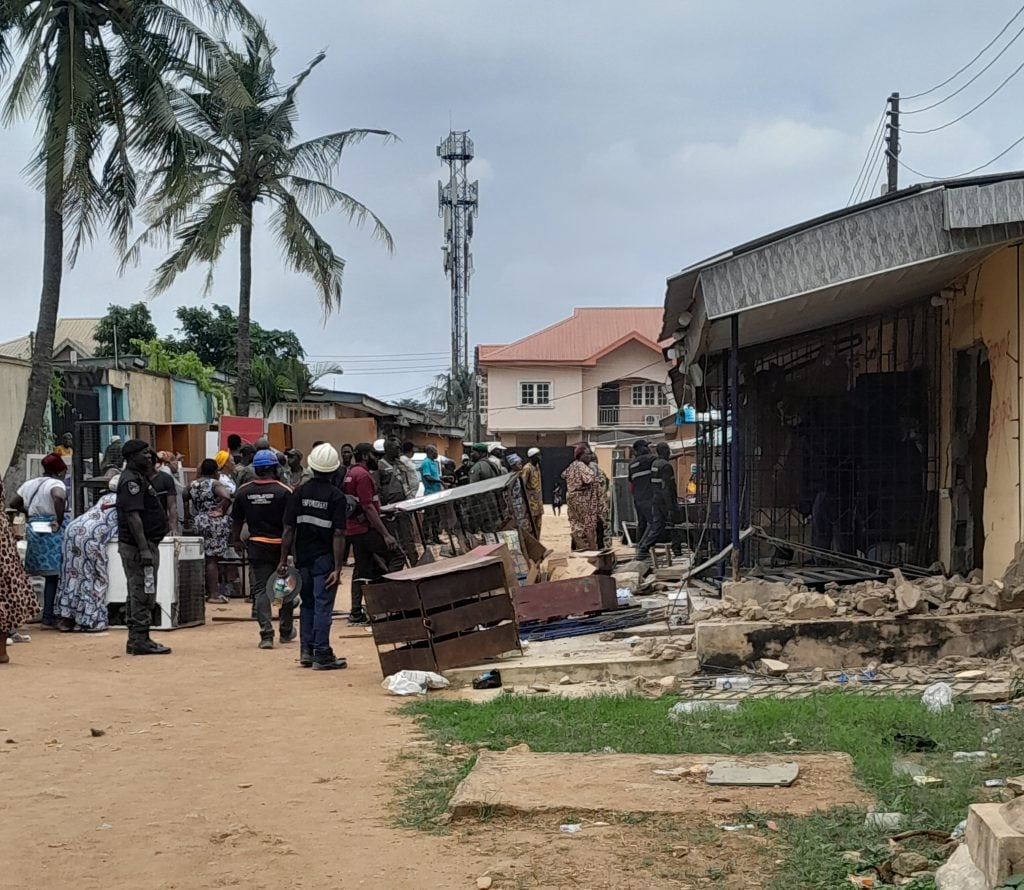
(649, 395)
(481, 388)
(535, 394)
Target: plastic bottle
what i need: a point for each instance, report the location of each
(149, 574)
(280, 589)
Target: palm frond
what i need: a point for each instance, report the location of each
(319, 197)
(320, 157)
(306, 251)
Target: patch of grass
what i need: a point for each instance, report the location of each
(867, 728)
(424, 798)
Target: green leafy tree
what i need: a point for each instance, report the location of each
(90, 73)
(189, 366)
(226, 162)
(270, 383)
(213, 335)
(120, 326)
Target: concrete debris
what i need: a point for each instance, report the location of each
(774, 668)
(756, 599)
(484, 883)
(663, 648)
(807, 605)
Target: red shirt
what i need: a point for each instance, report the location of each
(360, 485)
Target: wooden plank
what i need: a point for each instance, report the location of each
(476, 648)
(483, 611)
(391, 596)
(559, 599)
(399, 630)
(405, 658)
(442, 591)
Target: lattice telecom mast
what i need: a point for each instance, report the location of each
(457, 206)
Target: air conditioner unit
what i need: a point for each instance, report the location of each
(650, 420)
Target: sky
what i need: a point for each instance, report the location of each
(616, 144)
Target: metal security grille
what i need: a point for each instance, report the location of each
(191, 605)
(838, 435)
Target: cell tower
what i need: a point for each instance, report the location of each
(457, 206)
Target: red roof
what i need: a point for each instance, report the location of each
(582, 339)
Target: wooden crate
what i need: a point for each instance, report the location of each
(429, 617)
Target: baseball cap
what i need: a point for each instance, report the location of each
(640, 443)
(532, 452)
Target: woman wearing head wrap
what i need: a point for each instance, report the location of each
(226, 467)
(584, 499)
(82, 595)
(18, 604)
(44, 502)
(211, 501)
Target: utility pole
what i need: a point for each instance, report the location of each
(892, 144)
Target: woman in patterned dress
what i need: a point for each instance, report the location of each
(211, 501)
(82, 595)
(584, 499)
(18, 602)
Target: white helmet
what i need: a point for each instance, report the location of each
(324, 459)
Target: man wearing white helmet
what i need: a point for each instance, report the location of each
(314, 533)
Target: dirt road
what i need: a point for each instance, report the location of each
(220, 765)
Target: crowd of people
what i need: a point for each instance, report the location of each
(297, 521)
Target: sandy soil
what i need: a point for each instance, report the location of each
(223, 765)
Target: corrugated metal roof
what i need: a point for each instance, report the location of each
(582, 339)
(81, 331)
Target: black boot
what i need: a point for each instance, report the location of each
(324, 660)
(306, 657)
(146, 646)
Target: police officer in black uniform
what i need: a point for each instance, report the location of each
(641, 472)
(141, 526)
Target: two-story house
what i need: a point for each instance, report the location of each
(599, 375)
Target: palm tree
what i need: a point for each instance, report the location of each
(301, 379)
(452, 395)
(91, 73)
(228, 161)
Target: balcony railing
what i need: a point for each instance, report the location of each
(631, 416)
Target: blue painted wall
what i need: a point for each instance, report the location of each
(188, 404)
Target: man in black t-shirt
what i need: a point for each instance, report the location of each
(141, 526)
(261, 504)
(314, 532)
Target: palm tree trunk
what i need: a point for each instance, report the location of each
(244, 347)
(30, 436)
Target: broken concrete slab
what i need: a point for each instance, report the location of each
(995, 836)
(549, 670)
(773, 667)
(756, 590)
(807, 605)
(626, 783)
(762, 775)
(909, 599)
(833, 644)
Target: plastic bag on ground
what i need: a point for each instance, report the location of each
(683, 708)
(938, 697)
(413, 682)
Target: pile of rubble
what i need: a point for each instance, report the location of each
(758, 600)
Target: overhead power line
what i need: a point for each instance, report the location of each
(960, 89)
(873, 145)
(989, 163)
(955, 120)
(982, 52)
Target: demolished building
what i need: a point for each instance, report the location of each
(857, 383)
